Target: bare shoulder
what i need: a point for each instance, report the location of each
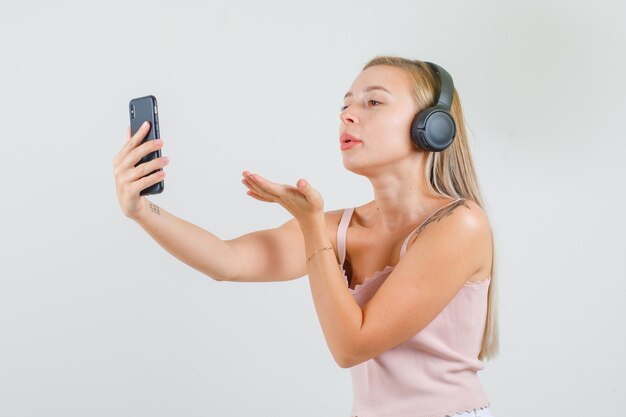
(474, 215)
(471, 220)
(461, 214)
(464, 216)
(464, 219)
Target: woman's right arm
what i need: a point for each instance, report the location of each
(197, 247)
(262, 256)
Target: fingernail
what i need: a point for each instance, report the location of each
(158, 141)
(144, 125)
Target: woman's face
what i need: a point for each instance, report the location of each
(380, 119)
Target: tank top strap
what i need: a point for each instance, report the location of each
(341, 233)
(406, 241)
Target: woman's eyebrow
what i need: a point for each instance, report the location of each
(370, 88)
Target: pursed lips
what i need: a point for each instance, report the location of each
(346, 137)
(347, 141)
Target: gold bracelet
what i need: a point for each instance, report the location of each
(317, 250)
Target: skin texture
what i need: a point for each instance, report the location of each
(386, 156)
(450, 249)
(131, 179)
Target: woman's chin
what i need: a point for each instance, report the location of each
(358, 168)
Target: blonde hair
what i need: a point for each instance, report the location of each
(450, 173)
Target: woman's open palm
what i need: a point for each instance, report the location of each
(302, 201)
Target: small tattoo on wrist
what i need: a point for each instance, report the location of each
(154, 208)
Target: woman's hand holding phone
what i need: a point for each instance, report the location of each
(131, 179)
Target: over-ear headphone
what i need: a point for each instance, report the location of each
(433, 129)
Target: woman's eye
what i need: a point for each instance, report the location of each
(342, 108)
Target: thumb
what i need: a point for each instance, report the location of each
(302, 184)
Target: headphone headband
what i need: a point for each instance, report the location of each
(447, 86)
(433, 129)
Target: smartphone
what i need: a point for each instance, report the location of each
(140, 110)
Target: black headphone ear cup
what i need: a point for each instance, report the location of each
(433, 129)
(416, 134)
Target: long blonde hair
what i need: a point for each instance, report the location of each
(450, 173)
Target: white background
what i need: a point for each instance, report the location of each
(96, 319)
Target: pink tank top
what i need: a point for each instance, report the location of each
(432, 374)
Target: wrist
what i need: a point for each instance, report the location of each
(141, 212)
(311, 222)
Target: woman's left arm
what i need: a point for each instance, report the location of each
(339, 314)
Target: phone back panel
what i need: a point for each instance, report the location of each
(141, 109)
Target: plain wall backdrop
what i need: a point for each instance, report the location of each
(96, 319)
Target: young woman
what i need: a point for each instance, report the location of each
(403, 286)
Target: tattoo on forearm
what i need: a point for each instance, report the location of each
(154, 208)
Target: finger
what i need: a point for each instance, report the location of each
(304, 188)
(258, 197)
(255, 188)
(133, 157)
(144, 169)
(145, 182)
(139, 135)
(120, 155)
(133, 141)
(267, 186)
(250, 183)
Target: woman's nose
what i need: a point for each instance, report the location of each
(347, 117)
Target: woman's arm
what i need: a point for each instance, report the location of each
(196, 247)
(260, 256)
